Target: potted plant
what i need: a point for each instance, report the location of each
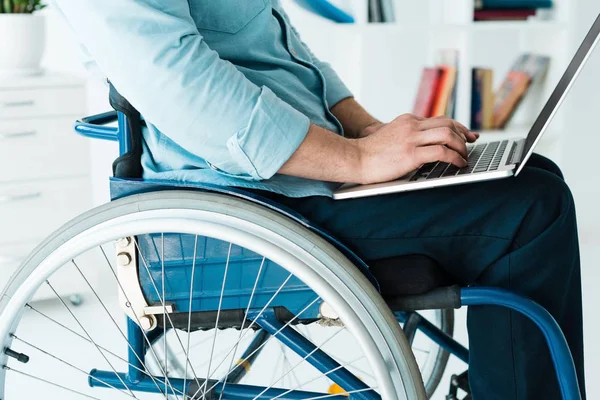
(23, 33)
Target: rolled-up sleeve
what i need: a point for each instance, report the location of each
(263, 155)
(153, 53)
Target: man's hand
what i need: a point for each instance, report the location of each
(390, 151)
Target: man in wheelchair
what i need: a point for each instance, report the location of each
(231, 96)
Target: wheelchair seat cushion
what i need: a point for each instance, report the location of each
(399, 276)
(408, 275)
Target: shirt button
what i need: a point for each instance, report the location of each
(326, 104)
(294, 52)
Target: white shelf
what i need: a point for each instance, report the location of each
(521, 26)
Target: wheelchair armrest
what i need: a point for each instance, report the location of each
(95, 126)
(439, 298)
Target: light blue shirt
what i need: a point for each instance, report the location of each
(227, 86)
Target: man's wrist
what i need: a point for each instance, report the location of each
(354, 118)
(370, 128)
(355, 160)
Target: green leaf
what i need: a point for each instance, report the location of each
(21, 6)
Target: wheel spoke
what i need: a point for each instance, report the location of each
(235, 346)
(301, 385)
(287, 361)
(150, 347)
(189, 323)
(115, 323)
(163, 302)
(89, 336)
(68, 364)
(305, 358)
(253, 322)
(270, 337)
(162, 257)
(90, 342)
(212, 350)
(49, 383)
(344, 394)
(166, 315)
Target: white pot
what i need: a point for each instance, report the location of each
(22, 43)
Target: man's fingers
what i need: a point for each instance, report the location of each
(445, 122)
(444, 136)
(441, 153)
(471, 136)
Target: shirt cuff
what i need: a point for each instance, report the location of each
(335, 89)
(274, 133)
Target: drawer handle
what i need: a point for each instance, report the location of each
(17, 135)
(19, 197)
(15, 104)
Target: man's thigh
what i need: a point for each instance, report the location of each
(464, 228)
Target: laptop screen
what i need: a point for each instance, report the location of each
(556, 98)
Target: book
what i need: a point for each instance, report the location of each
(511, 4)
(527, 69)
(430, 79)
(482, 99)
(375, 13)
(449, 57)
(509, 96)
(477, 100)
(504, 15)
(488, 99)
(445, 92)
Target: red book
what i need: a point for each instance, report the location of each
(445, 90)
(503, 15)
(428, 88)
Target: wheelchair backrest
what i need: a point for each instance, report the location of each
(128, 165)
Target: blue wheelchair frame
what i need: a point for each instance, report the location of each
(96, 127)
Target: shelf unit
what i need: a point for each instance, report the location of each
(382, 63)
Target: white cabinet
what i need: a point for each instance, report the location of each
(44, 166)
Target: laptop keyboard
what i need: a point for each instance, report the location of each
(482, 157)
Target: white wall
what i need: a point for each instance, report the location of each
(583, 106)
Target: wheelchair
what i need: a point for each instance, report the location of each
(218, 293)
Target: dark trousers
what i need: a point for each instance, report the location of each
(517, 233)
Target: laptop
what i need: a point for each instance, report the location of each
(487, 161)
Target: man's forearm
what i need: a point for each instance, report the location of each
(354, 118)
(325, 156)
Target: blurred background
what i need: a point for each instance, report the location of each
(462, 58)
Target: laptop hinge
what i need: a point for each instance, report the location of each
(516, 152)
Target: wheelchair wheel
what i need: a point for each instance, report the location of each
(42, 355)
(431, 358)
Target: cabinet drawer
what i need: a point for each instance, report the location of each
(10, 259)
(67, 281)
(32, 210)
(41, 148)
(42, 102)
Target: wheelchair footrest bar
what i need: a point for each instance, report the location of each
(108, 379)
(316, 357)
(561, 355)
